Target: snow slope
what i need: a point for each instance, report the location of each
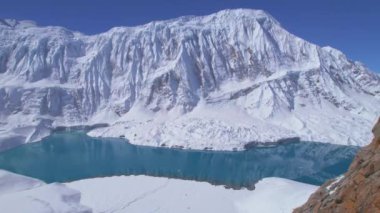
(220, 81)
(152, 194)
(20, 194)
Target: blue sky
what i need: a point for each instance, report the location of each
(352, 26)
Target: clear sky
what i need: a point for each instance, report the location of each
(352, 26)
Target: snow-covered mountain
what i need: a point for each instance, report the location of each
(219, 81)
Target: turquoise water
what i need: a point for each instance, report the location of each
(69, 156)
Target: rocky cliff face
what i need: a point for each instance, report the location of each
(358, 190)
(220, 80)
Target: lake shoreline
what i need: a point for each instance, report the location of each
(69, 156)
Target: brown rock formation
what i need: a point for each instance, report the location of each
(357, 191)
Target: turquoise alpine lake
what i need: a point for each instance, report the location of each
(69, 156)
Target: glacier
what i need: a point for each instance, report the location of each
(220, 81)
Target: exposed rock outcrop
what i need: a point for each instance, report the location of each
(358, 190)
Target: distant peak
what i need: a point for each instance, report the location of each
(224, 16)
(247, 13)
(243, 12)
(12, 23)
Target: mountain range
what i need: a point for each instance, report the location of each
(218, 81)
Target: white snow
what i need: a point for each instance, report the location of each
(10, 182)
(147, 194)
(331, 188)
(19, 194)
(153, 194)
(275, 195)
(219, 81)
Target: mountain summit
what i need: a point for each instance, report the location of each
(220, 81)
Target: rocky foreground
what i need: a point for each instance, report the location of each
(358, 190)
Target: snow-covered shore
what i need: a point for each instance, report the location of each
(19, 194)
(147, 194)
(152, 194)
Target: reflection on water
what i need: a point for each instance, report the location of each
(69, 156)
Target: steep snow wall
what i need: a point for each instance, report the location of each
(221, 80)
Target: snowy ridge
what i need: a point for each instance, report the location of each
(219, 81)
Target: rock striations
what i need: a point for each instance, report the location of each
(358, 190)
(219, 81)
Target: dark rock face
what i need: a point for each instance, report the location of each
(358, 190)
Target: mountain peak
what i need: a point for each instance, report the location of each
(228, 16)
(250, 14)
(13, 23)
(243, 12)
(240, 60)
